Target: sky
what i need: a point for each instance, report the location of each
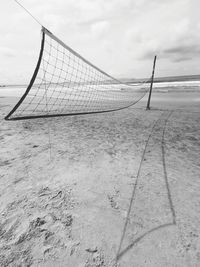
(121, 37)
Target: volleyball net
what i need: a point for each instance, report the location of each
(64, 83)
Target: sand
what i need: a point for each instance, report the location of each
(114, 189)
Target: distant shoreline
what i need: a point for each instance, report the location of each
(167, 79)
(135, 80)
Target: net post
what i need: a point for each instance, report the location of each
(151, 85)
(74, 86)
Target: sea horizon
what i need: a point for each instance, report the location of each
(180, 78)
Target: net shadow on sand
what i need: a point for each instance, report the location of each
(120, 252)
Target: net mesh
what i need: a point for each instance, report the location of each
(64, 83)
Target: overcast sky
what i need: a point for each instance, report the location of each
(119, 36)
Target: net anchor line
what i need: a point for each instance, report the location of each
(28, 12)
(72, 85)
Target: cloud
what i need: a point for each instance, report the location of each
(55, 20)
(183, 50)
(175, 40)
(7, 52)
(119, 36)
(178, 53)
(100, 28)
(182, 44)
(181, 59)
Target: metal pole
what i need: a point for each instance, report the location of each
(151, 86)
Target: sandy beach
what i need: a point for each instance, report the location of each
(114, 189)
